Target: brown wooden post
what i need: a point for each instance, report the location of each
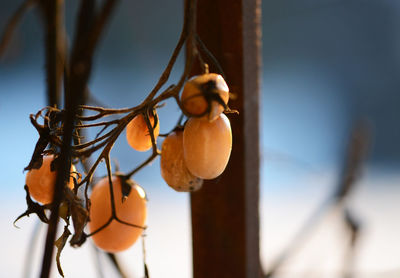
(225, 217)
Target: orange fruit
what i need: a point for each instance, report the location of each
(116, 236)
(41, 182)
(138, 135)
(173, 167)
(201, 89)
(207, 146)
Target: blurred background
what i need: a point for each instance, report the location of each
(326, 65)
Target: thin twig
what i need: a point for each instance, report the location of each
(210, 56)
(188, 23)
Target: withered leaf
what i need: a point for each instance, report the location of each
(54, 163)
(55, 117)
(77, 241)
(126, 187)
(44, 136)
(63, 212)
(79, 216)
(52, 119)
(33, 207)
(60, 243)
(37, 159)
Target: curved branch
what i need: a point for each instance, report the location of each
(12, 24)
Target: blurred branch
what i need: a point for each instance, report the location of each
(354, 231)
(54, 44)
(113, 258)
(12, 24)
(79, 76)
(53, 16)
(353, 161)
(356, 154)
(52, 10)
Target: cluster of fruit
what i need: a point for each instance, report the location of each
(198, 151)
(114, 237)
(202, 149)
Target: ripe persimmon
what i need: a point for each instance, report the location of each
(207, 146)
(173, 167)
(202, 90)
(138, 135)
(41, 182)
(116, 236)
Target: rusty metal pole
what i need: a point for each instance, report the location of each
(225, 216)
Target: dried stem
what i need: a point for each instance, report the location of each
(210, 56)
(188, 27)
